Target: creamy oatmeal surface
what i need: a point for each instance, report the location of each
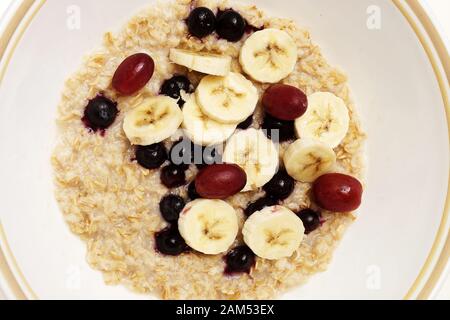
(112, 203)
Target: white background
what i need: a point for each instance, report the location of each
(441, 11)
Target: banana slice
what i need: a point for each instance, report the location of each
(269, 55)
(273, 233)
(208, 226)
(153, 121)
(230, 99)
(306, 159)
(202, 62)
(202, 130)
(255, 154)
(327, 119)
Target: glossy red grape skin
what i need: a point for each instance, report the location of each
(338, 192)
(220, 181)
(133, 74)
(285, 102)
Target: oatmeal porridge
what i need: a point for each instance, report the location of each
(208, 151)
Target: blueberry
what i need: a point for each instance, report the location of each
(311, 220)
(240, 259)
(170, 242)
(170, 207)
(246, 124)
(259, 204)
(230, 25)
(278, 129)
(201, 22)
(100, 113)
(192, 192)
(280, 186)
(173, 87)
(151, 157)
(173, 176)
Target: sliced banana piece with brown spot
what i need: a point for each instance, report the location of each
(255, 154)
(203, 62)
(273, 233)
(230, 99)
(327, 119)
(153, 121)
(208, 226)
(201, 129)
(269, 55)
(306, 159)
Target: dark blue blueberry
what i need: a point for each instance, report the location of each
(311, 220)
(192, 192)
(278, 129)
(151, 157)
(170, 242)
(173, 87)
(240, 260)
(259, 204)
(280, 186)
(201, 22)
(170, 207)
(231, 25)
(100, 113)
(173, 176)
(246, 124)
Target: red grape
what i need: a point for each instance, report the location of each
(133, 74)
(338, 192)
(285, 102)
(220, 181)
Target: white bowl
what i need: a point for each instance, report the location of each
(399, 246)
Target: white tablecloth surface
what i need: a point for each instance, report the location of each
(441, 9)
